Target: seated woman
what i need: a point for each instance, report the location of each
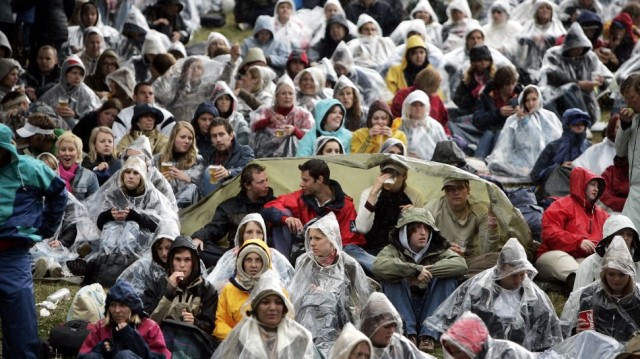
(9, 71)
(80, 181)
(108, 62)
(394, 146)
(310, 88)
(251, 227)
(71, 98)
(480, 71)
(277, 130)
(145, 121)
(414, 60)
(611, 304)
(616, 191)
(496, 103)
(380, 127)
(252, 261)
(524, 135)
(255, 88)
(422, 131)
(289, 27)
(621, 42)
(348, 94)
(511, 306)
(181, 164)
(422, 11)
(269, 330)
(101, 158)
(126, 331)
(500, 29)
(202, 118)
(104, 116)
(327, 146)
(329, 288)
(226, 104)
(330, 120)
(418, 272)
(371, 49)
(351, 343)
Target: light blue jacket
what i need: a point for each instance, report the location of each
(275, 49)
(305, 147)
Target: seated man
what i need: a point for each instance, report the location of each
(418, 271)
(469, 225)
(318, 196)
(571, 228)
(228, 158)
(380, 208)
(616, 225)
(183, 294)
(511, 306)
(254, 193)
(382, 324)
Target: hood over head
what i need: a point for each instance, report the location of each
(521, 97)
(612, 225)
(618, 257)
(342, 56)
(214, 35)
(319, 143)
(416, 214)
(328, 225)
(152, 45)
(6, 45)
(264, 22)
(256, 246)
(123, 292)
(502, 6)
(143, 145)
(184, 242)
(574, 116)
(513, 259)
(125, 79)
(468, 333)
(575, 38)
(290, 2)
(135, 22)
(268, 284)
(349, 339)
(321, 111)
(588, 19)
(623, 20)
(460, 5)
(316, 74)
(251, 217)
(205, 107)
(390, 142)
(365, 19)
(284, 81)
(136, 164)
(221, 88)
(166, 230)
(416, 26)
(8, 64)
(424, 5)
(578, 181)
(379, 105)
(377, 313)
(343, 82)
(68, 64)
(416, 96)
(6, 138)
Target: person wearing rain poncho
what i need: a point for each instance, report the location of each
(500, 29)
(348, 94)
(251, 227)
(331, 8)
(252, 260)
(422, 131)
(90, 16)
(351, 344)
(418, 271)
(369, 82)
(310, 88)
(134, 29)
(329, 288)
(424, 12)
(469, 338)
(80, 99)
(327, 146)
(268, 331)
(380, 126)
(126, 331)
(524, 136)
(510, 304)
(164, 16)
(227, 104)
(183, 294)
(616, 225)
(538, 34)
(336, 31)
(144, 122)
(181, 164)
(416, 27)
(151, 268)
(455, 29)
(275, 49)
(414, 60)
(612, 303)
(329, 115)
(600, 156)
(277, 130)
(572, 74)
(381, 323)
(370, 49)
(288, 27)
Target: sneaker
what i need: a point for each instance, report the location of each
(243, 26)
(55, 270)
(41, 267)
(77, 267)
(413, 338)
(84, 250)
(427, 344)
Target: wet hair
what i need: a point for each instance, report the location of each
(316, 168)
(246, 176)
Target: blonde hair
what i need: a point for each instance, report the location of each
(50, 160)
(255, 74)
(68, 136)
(141, 186)
(93, 155)
(190, 158)
(134, 319)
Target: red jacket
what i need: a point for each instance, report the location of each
(148, 329)
(437, 110)
(572, 218)
(305, 208)
(617, 179)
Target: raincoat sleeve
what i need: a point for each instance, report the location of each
(449, 264)
(224, 321)
(544, 165)
(448, 311)
(626, 131)
(275, 211)
(555, 236)
(390, 265)
(205, 320)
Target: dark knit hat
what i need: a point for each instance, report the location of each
(479, 53)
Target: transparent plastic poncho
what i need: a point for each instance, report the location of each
(187, 84)
(226, 266)
(126, 237)
(523, 139)
(588, 344)
(618, 317)
(245, 340)
(349, 339)
(535, 325)
(327, 298)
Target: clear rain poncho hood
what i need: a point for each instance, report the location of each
(246, 340)
(422, 134)
(235, 118)
(309, 101)
(371, 51)
(502, 36)
(432, 30)
(226, 265)
(533, 324)
(523, 139)
(326, 298)
(349, 339)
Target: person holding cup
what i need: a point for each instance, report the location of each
(380, 127)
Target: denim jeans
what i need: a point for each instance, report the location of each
(361, 256)
(414, 309)
(486, 143)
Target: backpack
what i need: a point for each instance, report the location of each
(67, 338)
(88, 304)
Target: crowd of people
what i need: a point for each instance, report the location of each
(113, 122)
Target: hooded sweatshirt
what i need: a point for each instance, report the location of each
(362, 142)
(237, 121)
(275, 50)
(404, 74)
(322, 110)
